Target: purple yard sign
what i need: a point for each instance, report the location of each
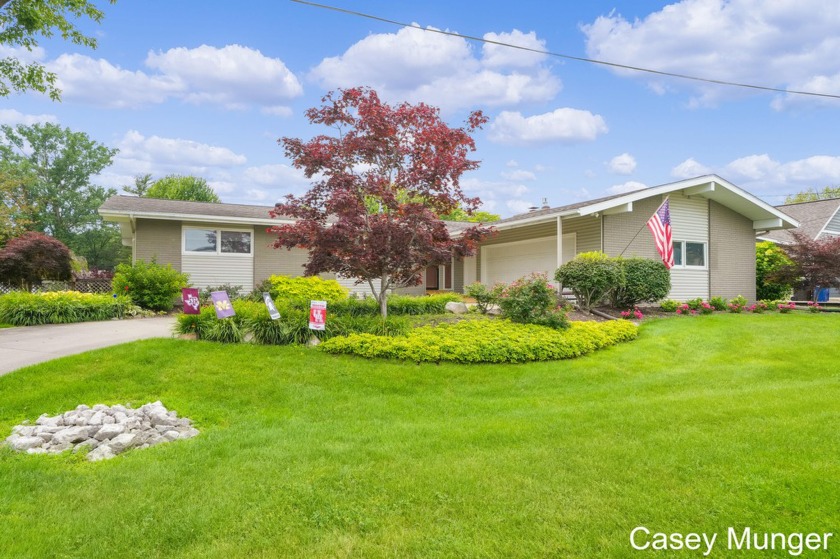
(221, 303)
(190, 297)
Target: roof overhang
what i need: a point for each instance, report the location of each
(127, 216)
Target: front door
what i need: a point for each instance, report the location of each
(432, 278)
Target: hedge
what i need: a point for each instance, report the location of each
(59, 307)
(486, 341)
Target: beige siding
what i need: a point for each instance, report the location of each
(689, 218)
(160, 240)
(587, 231)
(620, 230)
(275, 261)
(732, 253)
(524, 233)
(458, 276)
(210, 270)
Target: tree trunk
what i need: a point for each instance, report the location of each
(383, 297)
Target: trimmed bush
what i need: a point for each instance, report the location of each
(60, 307)
(302, 289)
(149, 285)
(531, 300)
(669, 305)
(234, 292)
(718, 303)
(487, 341)
(591, 276)
(643, 281)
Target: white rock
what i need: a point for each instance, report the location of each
(109, 431)
(456, 307)
(122, 442)
(120, 417)
(71, 435)
(82, 407)
(26, 442)
(36, 450)
(102, 452)
(100, 407)
(58, 448)
(47, 420)
(171, 435)
(97, 418)
(108, 420)
(188, 434)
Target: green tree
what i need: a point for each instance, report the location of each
(142, 183)
(180, 187)
(22, 22)
(59, 164)
(812, 195)
(769, 261)
(14, 201)
(475, 217)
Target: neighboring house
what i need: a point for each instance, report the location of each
(818, 220)
(714, 223)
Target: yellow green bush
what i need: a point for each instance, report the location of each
(58, 307)
(300, 290)
(486, 341)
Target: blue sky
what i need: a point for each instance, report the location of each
(207, 88)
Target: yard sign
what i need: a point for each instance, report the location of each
(317, 315)
(190, 298)
(269, 304)
(221, 302)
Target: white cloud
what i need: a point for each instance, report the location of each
(234, 77)
(23, 54)
(629, 186)
(499, 56)
(223, 187)
(284, 177)
(176, 151)
(519, 175)
(562, 125)
(778, 43)
(752, 167)
(623, 164)
(12, 116)
(519, 206)
(689, 169)
(278, 110)
(417, 65)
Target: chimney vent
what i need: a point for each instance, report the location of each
(545, 205)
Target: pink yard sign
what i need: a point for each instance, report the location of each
(190, 298)
(317, 315)
(221, 302)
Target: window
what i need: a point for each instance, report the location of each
(688, 254)
(217, 241)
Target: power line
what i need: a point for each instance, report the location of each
(568, 56)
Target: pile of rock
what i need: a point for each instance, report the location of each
(107, 431)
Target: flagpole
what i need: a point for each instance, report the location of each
(643, 227)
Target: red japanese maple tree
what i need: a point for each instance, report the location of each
(816, 263)
(379, 186)
(27, 260)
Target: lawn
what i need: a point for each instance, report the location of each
(700, 424)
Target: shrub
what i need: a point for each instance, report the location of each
(302, 289)
(814, 307)
(769, 261)
(397, 305)
(632, 313)
(718, 303)
(487, 341)
(33, 257)
(669, 305)
(758, 307)
(695, 304)
(149, 284)
(706, 308)
(786, 307)
(531, 300)
(483, 295)
(643, 280)
(591, 276)
(234, 292)
(58, 307)
(737, 304)
(685, 309)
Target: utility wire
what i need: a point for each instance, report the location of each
(568, 56)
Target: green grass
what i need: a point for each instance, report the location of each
(700, 424)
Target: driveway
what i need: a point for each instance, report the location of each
(29, 345)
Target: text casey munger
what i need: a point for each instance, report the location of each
(644, 539)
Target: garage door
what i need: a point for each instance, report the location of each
(509, 262)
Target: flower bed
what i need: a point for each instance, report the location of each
(58, 307)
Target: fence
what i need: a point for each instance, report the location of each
(90, 285)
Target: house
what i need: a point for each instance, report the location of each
(818, 219)
(714, 226)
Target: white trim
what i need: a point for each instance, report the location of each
(218, 230)
(559, 241)
(195, 218)
(827, 221)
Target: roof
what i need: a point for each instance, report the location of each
(812, 217)
(765, 217)
(123, 208)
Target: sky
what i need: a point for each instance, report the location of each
(207, 88)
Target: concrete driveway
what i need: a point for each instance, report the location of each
(29, 345)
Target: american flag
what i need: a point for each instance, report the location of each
(660, 225)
